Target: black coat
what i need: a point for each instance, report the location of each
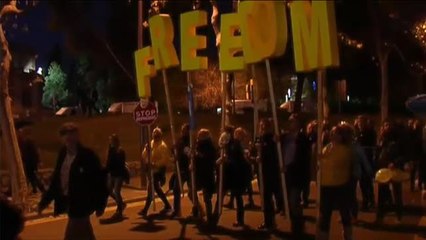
(182, 157)
(87, 191)
(116, 163)
(29, 154)
(205, 164)
(298, 172)
(269, 155)
(237, 168)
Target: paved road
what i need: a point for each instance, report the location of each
(136, 228)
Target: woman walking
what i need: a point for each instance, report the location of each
(117, 173)
(205, 163)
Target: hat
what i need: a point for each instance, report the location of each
(68, 128)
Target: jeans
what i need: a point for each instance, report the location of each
(177, 193)
(335, 198)
(79, 229)
(34, 181)
(296, 210)
(367, 190)
(354, 200)
(158, 190)
(115, 184)
(240, 205)
(385, 199)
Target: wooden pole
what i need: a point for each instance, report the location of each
(222, 151)
(172, 128)
(277, 134)
(13, 154)
(151, 172)
(143, 130)
(191, 145)
(255, 99)
(320, 108)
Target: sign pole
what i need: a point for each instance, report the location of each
(222, 151)
(255, 99)
(172, 128)
(320, 108)
(191, 143)
(277, 134)
(151, 171)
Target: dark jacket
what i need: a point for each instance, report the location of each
(29, 154)
(116, 162)
(299, 170)
(87, 191)
(182, 157)
(205, 163)
(237, 167)
(390, 151)
(269, 155)
(367, 139)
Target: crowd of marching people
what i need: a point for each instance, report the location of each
(352, 156)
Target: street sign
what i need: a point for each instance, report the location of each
(145, 113)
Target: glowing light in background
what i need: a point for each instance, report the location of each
(419, 32)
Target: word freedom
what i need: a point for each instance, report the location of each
(264, 35)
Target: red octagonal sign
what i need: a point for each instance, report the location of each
(145, 114)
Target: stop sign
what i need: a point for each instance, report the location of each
(145, 114)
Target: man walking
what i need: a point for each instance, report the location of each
(78, 186)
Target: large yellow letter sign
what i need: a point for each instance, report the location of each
(263, 29)
(230, 44)
(314, 34)
(162, 34)
(144, 71)
(190, 42)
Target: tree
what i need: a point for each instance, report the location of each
(55, 89)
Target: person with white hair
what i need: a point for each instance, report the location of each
(160, 157)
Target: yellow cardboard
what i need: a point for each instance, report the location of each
(314, 34)
(162, 34)
(144, 71)
(230, 44)
(191, 42)
(263, 29)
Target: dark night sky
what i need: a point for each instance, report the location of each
(33, 29)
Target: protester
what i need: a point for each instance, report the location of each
(311, 134)
(11, 220)
(336, 171)
(297, 165)
(225, 139)
(160, 157)
(30, 158)
(271, 174)
(366, 138)
(205, 162)
(390, 155)
(117, 171)
(239, 172)
(183, 155)
(414, 151)
(78, 185)
(360, 167)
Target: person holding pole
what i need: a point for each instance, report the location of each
(160, 156)
(205, 163)
(183, 154)
(271, 173)
(296, 157)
